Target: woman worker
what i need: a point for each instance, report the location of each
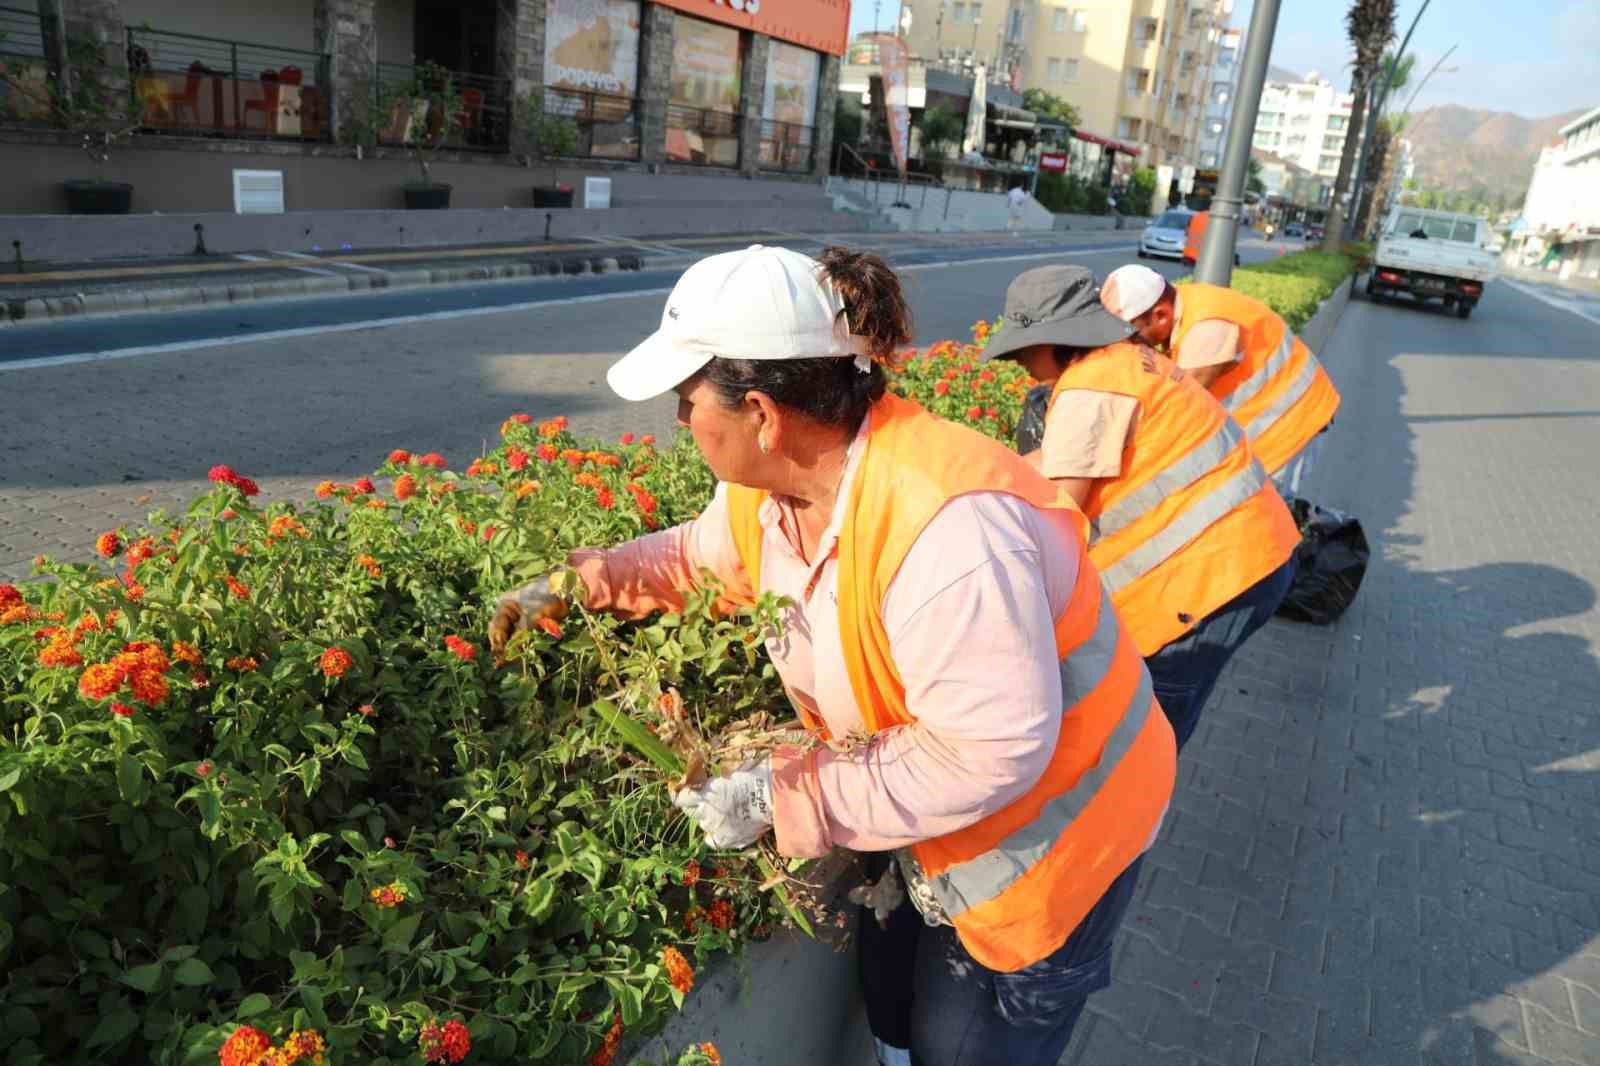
(943, 604)
(1192, 540)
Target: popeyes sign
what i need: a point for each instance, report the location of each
(823, 25)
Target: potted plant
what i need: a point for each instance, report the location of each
(431, 110)
(91, 104)
(553, 136)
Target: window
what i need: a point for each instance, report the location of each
(1333, 144)
(1080, 22)
(958, 14)
(1222, 96)
(1071, 72)
(1014, 32)
(1329, 162)
(1269, 119)
(1299, 121)
(1128, 129)
(1147, 31)
(1216, 128)
(1052, 69)
(1437, 229)
(1306, 96)
(1337, 122)
(976, 13)
(1058, 20)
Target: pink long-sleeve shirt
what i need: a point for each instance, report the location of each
(970, 617)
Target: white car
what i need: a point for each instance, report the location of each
(1163, 238)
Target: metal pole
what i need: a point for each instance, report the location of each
(1215, 265)
(1370, 125)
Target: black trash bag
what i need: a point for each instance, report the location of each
(1330, 562)
(1030, 427)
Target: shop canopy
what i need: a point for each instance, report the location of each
(1107, 142)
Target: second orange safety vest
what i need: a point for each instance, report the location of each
(1192, 521)
(1016, 883)
(1194, 235)
(1278, 392)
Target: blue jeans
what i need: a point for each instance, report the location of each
(1185, 671)
(925, 992)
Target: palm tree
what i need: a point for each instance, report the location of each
(1370, 26)
(1396, 74)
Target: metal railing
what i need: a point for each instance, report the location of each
(786, 146)
(873, 178)
(187, 83)
(703, 137)
(26, 91)
(21, 36)
(403, 113)
(608, 124)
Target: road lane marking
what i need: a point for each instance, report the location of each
(1550, 298)
(435, 316)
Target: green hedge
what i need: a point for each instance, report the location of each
(1295, 285)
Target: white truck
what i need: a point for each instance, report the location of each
(1431, 255)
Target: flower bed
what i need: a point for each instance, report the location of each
(1294, 285)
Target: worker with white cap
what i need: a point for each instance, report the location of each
(1244, 352)
(940, 611)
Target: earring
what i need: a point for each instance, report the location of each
(761, 442)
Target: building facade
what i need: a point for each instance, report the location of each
(1561, 215)
(1138, 71)
(1305, 122)
(734, 85)
(1219, 96)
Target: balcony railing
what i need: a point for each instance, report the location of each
(406, 105)
(25, 90)
(786, 146)
(186, 83)
(707, 138)
(608, 125)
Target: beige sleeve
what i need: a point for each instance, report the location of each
(1085, 433)
(1209, 343)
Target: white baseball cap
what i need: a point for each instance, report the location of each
(1132, 290)
(759, 303)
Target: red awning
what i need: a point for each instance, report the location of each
(1106, 142)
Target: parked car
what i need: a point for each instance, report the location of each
(1163, 238)
(1294, 229)
(1315, 233)
(1431, 255)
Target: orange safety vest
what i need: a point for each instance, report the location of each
(1192, 521)
(1278, 391)
(1194, 235)
(1017, 882)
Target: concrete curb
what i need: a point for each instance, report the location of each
(1317, 332)
(133, 301)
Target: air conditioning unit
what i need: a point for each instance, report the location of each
(258, 192)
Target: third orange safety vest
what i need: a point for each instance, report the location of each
(1278, 391)
(1194, 235)
(1016, 883)
(1192, 521)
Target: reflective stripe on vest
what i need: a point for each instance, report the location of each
(1288, 398)
(1250, 386)
(1194, 521)
(1200, 461)
(983, 877)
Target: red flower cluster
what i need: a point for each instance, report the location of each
(721, 915)
(608, 1046)
(405, 487)
(641, 496)
(335, 661)
(449, 1042)
(626, 438)
(108, 545)
(238, 588)
(550, 626)
(553, 427)
(142, 666)
(390, 895)
(399, 457)
(226, 475)
(547, 453)
(435, 460)
(691, 873)
(9, 597)
(326, 489)
(516, 458)
(524, 861)
(482, 468)
(364, 486)
(245, 1047)
(679, 972)
(460, 648)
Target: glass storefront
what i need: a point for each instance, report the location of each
(591, 64)
(703, 105)
(789, 107)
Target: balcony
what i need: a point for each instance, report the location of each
(415, 103)
(185, 83)
(608, 125)
(702, 137)
(1141, 106)
(25, 90)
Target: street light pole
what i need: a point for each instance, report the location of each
(1215, 266)
(1369, 123)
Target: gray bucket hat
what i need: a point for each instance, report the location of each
(1055, 305)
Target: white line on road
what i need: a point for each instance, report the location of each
(347, 266)
(431, 316)
(1552, 299)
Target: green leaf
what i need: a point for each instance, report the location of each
(636, 736)
(397, 938)
(253, 1004)
(312, 999)
(538, 898)
(113, 1028)
(352, 755)
(130, 779)
(193, 972)
(144, 978)
(10, 777)
(794, 913)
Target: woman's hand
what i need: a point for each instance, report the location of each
(733, 811)
(547, 596)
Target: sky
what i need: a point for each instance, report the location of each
(1530, 57)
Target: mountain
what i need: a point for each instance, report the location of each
(1488, 155)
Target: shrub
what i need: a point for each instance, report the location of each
(1294, 285)
(951, 380)
(266, 786)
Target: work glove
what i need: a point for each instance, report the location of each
(881, 896)
(547, 596)
(733, 811)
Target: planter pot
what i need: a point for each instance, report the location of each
(98, 197)
(551, 196)
(427, 197)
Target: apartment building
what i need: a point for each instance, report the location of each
(1219, 96)
(1561, 216)
(1304, 121)
(1138, 71)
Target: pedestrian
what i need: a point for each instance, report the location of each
(941, 610)
(1015, 200)
(1239, 348)
(1194, 544)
